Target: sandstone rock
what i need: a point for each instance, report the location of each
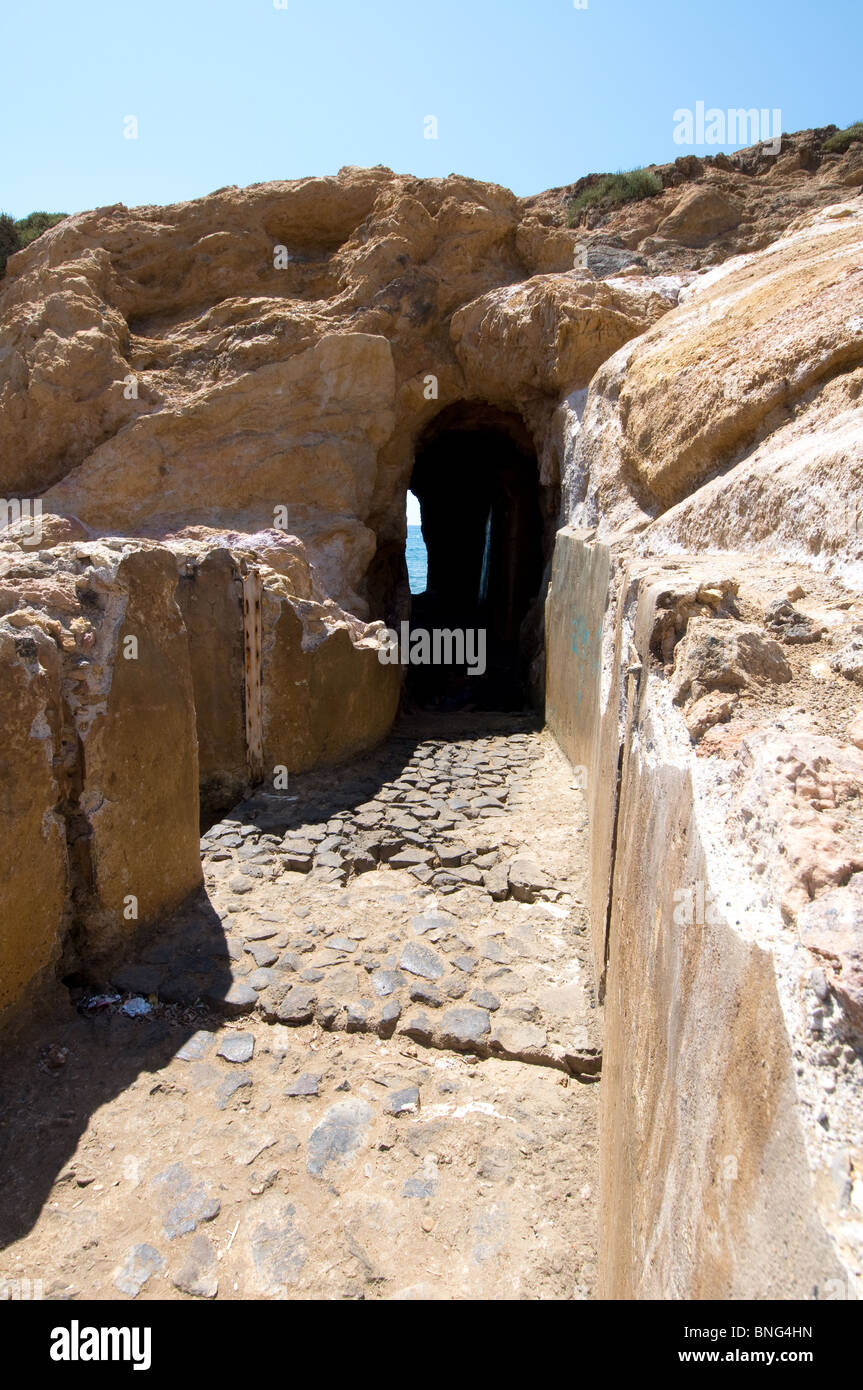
(144, 828)
(53, 531)
(705, 390)
(124, 689)
(734, 414)
(209, 596)
(832, 928)
(789, 625)
(701, 215)
(849, 661)
(676, 606)
(549, 335)
(798, 787)
(545, 250)
(725, 655)
(702, 714)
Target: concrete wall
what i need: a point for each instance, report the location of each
(140, 757)
(324, 700)
(123, 688)
(582, 701)
(98, 776)
(210, 598)
(33, 870)
(706, 1183)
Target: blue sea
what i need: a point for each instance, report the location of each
(417, 559)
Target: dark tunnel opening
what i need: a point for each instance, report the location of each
(477, 481)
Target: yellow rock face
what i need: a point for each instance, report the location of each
(749, 341)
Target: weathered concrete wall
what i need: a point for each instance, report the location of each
(321, 693)
(209, 597)
(141, 761)
(706, 1190)
(711, 1182)
(33, 874)
(122, 697)
(325, 698)
(582, 696)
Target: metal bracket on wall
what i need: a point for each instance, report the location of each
(252, 638)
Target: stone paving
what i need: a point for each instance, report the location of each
(366, 1066)
(418, 910)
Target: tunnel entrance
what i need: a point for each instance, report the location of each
(477, 481)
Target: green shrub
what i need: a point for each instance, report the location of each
(14, 236)
(9, 240)
(838, 143)
(607, 191)
(35, 223)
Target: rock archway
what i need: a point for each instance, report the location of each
(477, 480)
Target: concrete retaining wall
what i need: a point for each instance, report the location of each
(34, 872)
(122, 701)
(707, 1186)
(581, 706)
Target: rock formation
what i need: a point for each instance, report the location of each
(220, 406)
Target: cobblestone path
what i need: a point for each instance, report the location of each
(365, 1057)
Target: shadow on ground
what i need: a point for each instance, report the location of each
(61, 1069)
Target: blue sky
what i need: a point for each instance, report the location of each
(528, 93)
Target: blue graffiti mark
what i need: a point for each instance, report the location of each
(585, 650)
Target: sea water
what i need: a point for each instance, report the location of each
(415, 553)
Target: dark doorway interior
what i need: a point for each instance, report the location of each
(476, 478)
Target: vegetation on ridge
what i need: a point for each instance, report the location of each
(838, 143)
(607, 191)
(14, 236)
